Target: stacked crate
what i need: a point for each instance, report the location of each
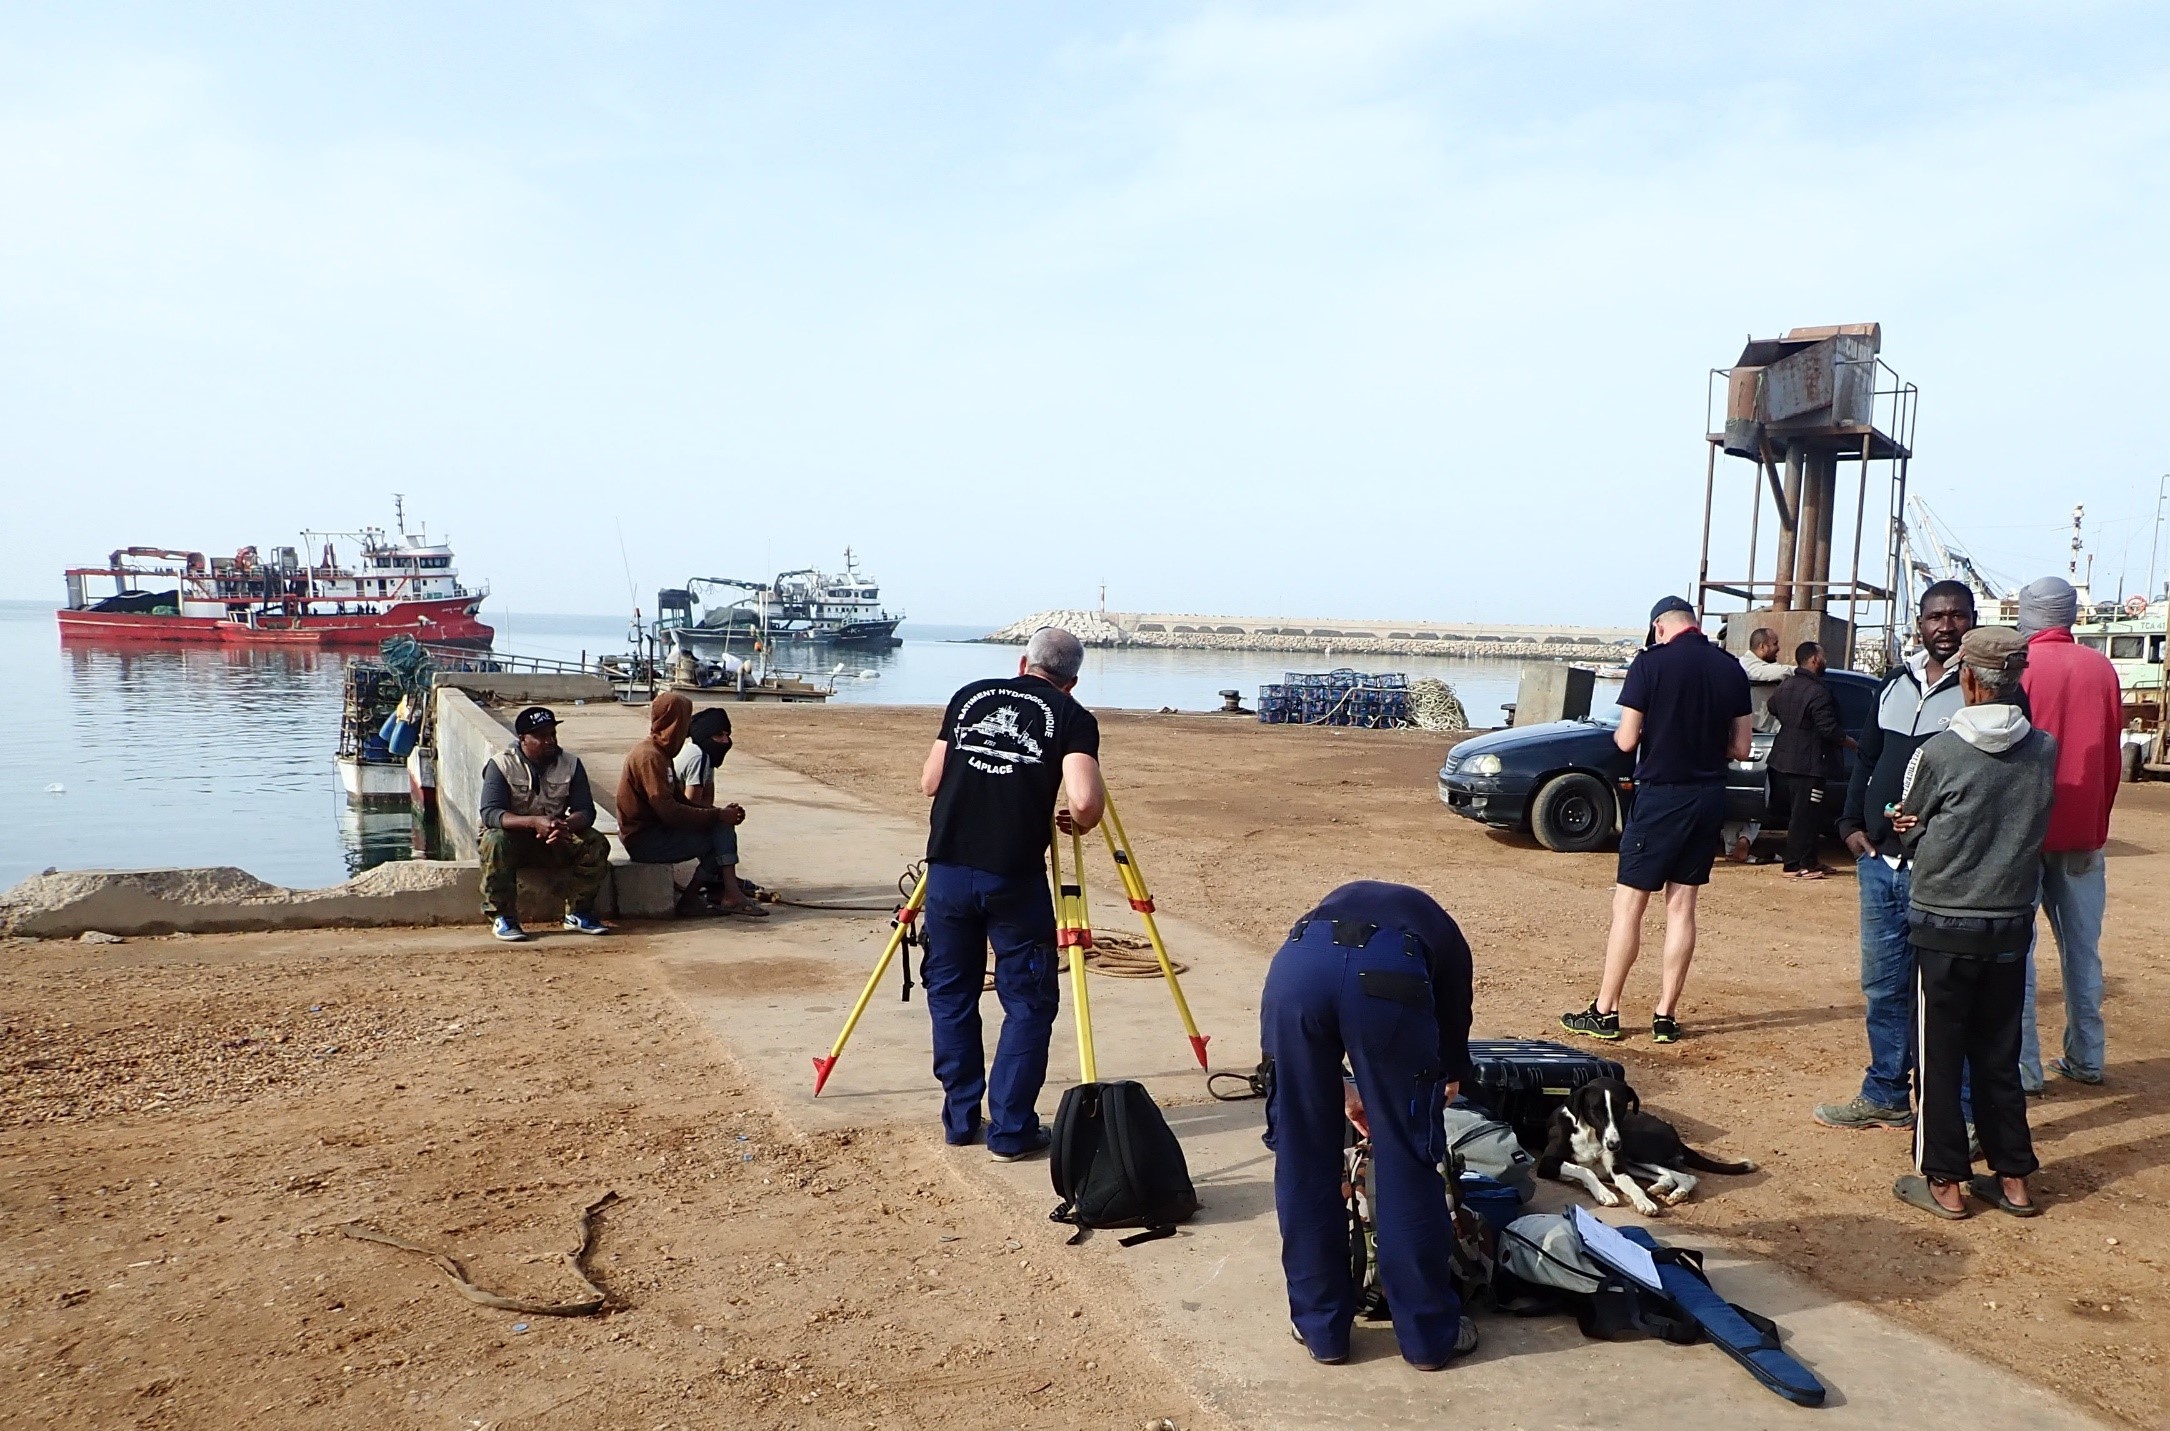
(1343, 697)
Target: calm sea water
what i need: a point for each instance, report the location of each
(118, 758)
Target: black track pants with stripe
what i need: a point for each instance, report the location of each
(1968, 1007)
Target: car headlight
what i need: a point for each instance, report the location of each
(1481, 765)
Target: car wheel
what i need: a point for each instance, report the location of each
(1574, 814)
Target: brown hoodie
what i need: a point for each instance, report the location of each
(648, 794)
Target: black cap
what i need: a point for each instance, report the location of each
(1670, 604)
(533, 719)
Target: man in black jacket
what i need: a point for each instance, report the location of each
(1918, 701)
(1806, 752)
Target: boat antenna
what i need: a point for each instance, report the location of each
(2162, 493)
(632, 593)
(399, 513)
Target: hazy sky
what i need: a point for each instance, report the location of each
(1397, 310)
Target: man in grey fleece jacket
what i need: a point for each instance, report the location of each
(1973, 816)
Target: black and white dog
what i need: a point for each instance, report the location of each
(1602, 1134)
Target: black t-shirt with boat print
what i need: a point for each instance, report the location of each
(1003, 773)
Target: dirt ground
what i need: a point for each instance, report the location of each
(1244, 826)
(185, 1124)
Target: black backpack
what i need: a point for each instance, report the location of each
(1116, 1163)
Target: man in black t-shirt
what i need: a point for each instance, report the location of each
(1685, 705)
(1007, 750)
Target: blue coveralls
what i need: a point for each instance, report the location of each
(1339, 989)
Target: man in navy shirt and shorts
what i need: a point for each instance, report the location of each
(1685, 705)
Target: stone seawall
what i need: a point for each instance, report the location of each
(1097, 630)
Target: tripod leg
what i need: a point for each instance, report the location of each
(1141, 900)
(1074, 933)
(900, 926)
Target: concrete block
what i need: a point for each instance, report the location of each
(1553, 692)
(642, 891)
(205, 901)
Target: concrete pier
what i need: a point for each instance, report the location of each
(1342, 636)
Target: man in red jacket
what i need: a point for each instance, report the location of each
(2072, 693)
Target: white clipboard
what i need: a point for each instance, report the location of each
(1609, 1247)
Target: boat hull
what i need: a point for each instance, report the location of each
(373, 783)
(448, 622)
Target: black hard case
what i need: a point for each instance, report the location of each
(1520, 1081)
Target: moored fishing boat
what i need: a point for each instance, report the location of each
(399, 584)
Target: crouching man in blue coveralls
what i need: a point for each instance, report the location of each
(1380, 975)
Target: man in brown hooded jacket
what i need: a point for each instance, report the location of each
(658, 824)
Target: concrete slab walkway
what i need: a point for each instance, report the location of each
(775, 993)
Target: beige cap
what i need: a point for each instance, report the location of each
(1993, 648)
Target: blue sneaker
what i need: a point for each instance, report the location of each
(507, 928)
(586, 924)
(1035, 1145)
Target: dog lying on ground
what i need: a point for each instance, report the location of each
(1601, 1134)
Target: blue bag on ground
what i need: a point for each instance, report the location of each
(1489, 1198)
(1748, 1337)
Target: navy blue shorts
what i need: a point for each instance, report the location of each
(1671, 835)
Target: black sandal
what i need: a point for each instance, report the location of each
(1913, 1190)
(1990, 1189)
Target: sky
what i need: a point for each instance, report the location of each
(1373, 310)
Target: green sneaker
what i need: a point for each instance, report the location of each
(1857, 1112)
(1589, 1021)
(1664, 1028)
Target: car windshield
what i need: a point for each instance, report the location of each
(1605, 698)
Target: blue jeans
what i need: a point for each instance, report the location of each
(1888, 984)
(2074, 894)
(968, 909)
(715, 846)
(1323, 1001)
(1887, 981)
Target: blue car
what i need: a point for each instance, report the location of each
(1567, 784)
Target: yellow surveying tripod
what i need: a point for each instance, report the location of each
(1073, 933)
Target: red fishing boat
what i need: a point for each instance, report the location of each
(399, 584)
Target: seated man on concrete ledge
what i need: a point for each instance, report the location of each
(537, 813)
(661, 826)
(708, 741)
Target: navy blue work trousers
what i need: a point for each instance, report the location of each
(1317, 1009)
(966, 911)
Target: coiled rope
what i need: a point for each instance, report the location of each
(1434, 706)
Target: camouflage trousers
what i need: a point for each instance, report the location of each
(582, 861)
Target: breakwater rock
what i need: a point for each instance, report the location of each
(1206, 633)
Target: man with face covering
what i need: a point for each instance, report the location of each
(655, 819)
(717, 891)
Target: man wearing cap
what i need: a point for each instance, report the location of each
(1685, 705)
(2073, 694)
(536, 813)
(1973, 813)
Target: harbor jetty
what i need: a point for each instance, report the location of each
(1178, 631)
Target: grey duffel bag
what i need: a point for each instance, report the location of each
(1488, 1146)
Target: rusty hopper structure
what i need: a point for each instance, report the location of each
(1796, 408)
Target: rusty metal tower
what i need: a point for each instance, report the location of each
(1796, 408)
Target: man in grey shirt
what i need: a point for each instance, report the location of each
(1973, 815)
